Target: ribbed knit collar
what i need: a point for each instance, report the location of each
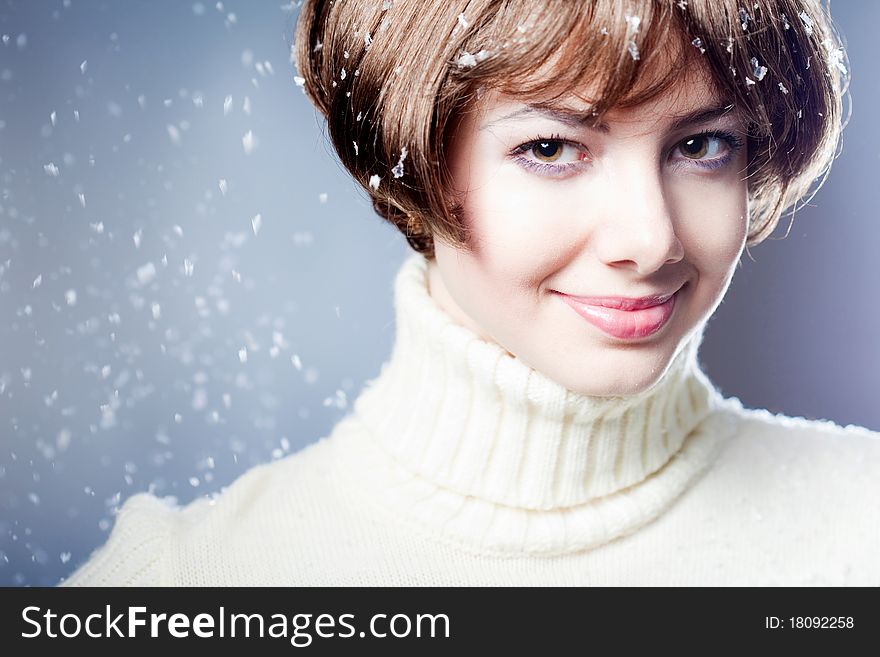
(468, 441)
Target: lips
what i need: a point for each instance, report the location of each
(625, 318)
(624, 303)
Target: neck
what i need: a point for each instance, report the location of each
(461, 415)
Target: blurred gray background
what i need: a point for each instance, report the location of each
(190, 284)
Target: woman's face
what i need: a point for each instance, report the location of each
(650, 203)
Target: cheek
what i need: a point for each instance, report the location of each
(516, 227)
(488, 278)
(500, 211)
(712, 224)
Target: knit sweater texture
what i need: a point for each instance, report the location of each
(461, 465)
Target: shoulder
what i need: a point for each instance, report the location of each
(135, 552)
(803, 488)
(264, 489)
(156, 542)
(769, 447)
(793, 438)
(792, 500)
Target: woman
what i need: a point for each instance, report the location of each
(578, 182)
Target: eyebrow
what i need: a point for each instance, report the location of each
(580, 118)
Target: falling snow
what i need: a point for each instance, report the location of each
(248, 142)
(130, 369)
(744, 18)
(807, 21)
(397, 171)
(633, 23)
(146, 273)
(633, 50)
(757, 70)
(466, 60)
(834, 55)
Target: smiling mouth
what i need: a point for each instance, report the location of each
(624, 303)
(625, 318)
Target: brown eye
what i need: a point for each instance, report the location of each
(548, 151)
(695, 147)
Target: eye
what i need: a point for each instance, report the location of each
(699, 146)
(707, 150)
(551, 156)
(548, 151)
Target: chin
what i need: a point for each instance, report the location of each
(617, 381)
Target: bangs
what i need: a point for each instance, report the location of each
(629, 53)
(621, 57)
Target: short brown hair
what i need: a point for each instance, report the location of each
(391, 77)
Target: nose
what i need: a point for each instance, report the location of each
(638, 229)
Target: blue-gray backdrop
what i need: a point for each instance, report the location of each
(190, 284)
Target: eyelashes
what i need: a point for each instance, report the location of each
(546, 168)
(713, 140)
(730, 141)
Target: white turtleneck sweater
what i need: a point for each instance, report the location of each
(461, 465)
